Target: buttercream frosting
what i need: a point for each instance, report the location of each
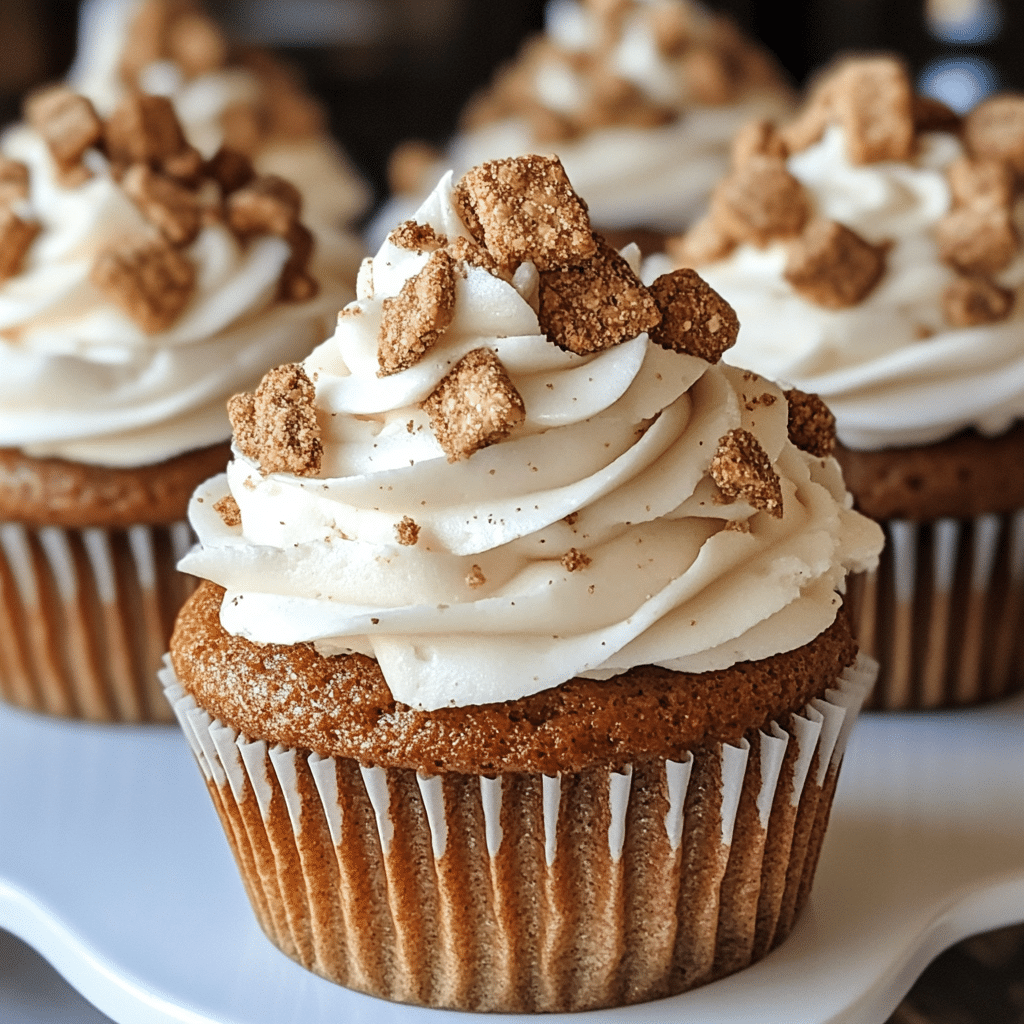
(655, 176)
(79, 379)
(890, 367)
(612, 462)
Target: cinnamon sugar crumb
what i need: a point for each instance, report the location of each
(971, 301)
(983, 184)
(417, 237)
(475, 405)
(812, 427)
(277, 426)
(706, 242)
(694, 318)
(407, 531)
(266, 204)
(757, 138)
(832, 266)
(737, 525)
(169, 207)
(16, 235)
(571, 518)
(742, 469)
(977, 241)
(143, 129)
(524, 208)
(760, 201)
(151, 281)
(475, 578)
(68, 124)
(574, 560)
(874, 101)
(475, 255)
(995, 129)
(229, 511)
(13, 180)
(595, 305)
(414, 320)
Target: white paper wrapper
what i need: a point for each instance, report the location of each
(530, 892)
(944, 612)
(85, 616)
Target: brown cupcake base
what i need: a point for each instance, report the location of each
(530, 892)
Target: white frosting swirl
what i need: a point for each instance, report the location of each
(80, 380)
(620, 442)
(658, 178)
(333, 192)
(892, 370)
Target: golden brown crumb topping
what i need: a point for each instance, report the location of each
(812, 427)
(407, 531)
(832, 266)
(16, 236)
(972, 301)
(475, 405)
(742, 469)
(227, 508)
(277, 426)
(694, 317)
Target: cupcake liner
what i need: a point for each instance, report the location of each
(528, 892)
(944, 611)
(85, 616)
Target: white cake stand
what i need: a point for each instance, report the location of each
(114, 867)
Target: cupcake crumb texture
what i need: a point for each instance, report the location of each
(742, 469)
(872, 99)
(277, 426)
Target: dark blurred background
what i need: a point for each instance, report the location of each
(392, 69)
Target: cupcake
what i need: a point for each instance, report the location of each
(518, 675)
(140, 286)
(639, 99)
(224, 96)
(871, 249)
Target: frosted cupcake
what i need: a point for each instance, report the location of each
(872, 251)
(140, 286)
(246, 101)
(639, 99)
(520, 652)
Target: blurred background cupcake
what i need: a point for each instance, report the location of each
(140, 287)
(872, 249)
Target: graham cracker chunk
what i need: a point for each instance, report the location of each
(417, 237)
(694, 317)
(277, 426)
(165, 204)
(465, 250)
(832, 266)
(230, 168)
(760, 201)
(13, 180)
(474, 406)
(574, 560)
(296, 284)
(995, 129)
(812, 427)
(982, 184)
(229, 511)
(977, 242)
(596, 305)
(757, 138)
(267, 204)
(971, 301)
(16, 236)
(742, 469)
(414, 320)
(525, 209)
(150, 280)
(706, 242)
(68, 124)
(932, 115)
(407, 531)
(143, 129)
(874, 101)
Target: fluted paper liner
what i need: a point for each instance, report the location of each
(944, 612)
(530, 892)
(85, 616)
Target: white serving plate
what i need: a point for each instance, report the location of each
(114, 867)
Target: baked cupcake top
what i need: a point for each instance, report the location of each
(639, 99)
(140, 285)
(871, 248)
(224, 96)
(513, 465)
